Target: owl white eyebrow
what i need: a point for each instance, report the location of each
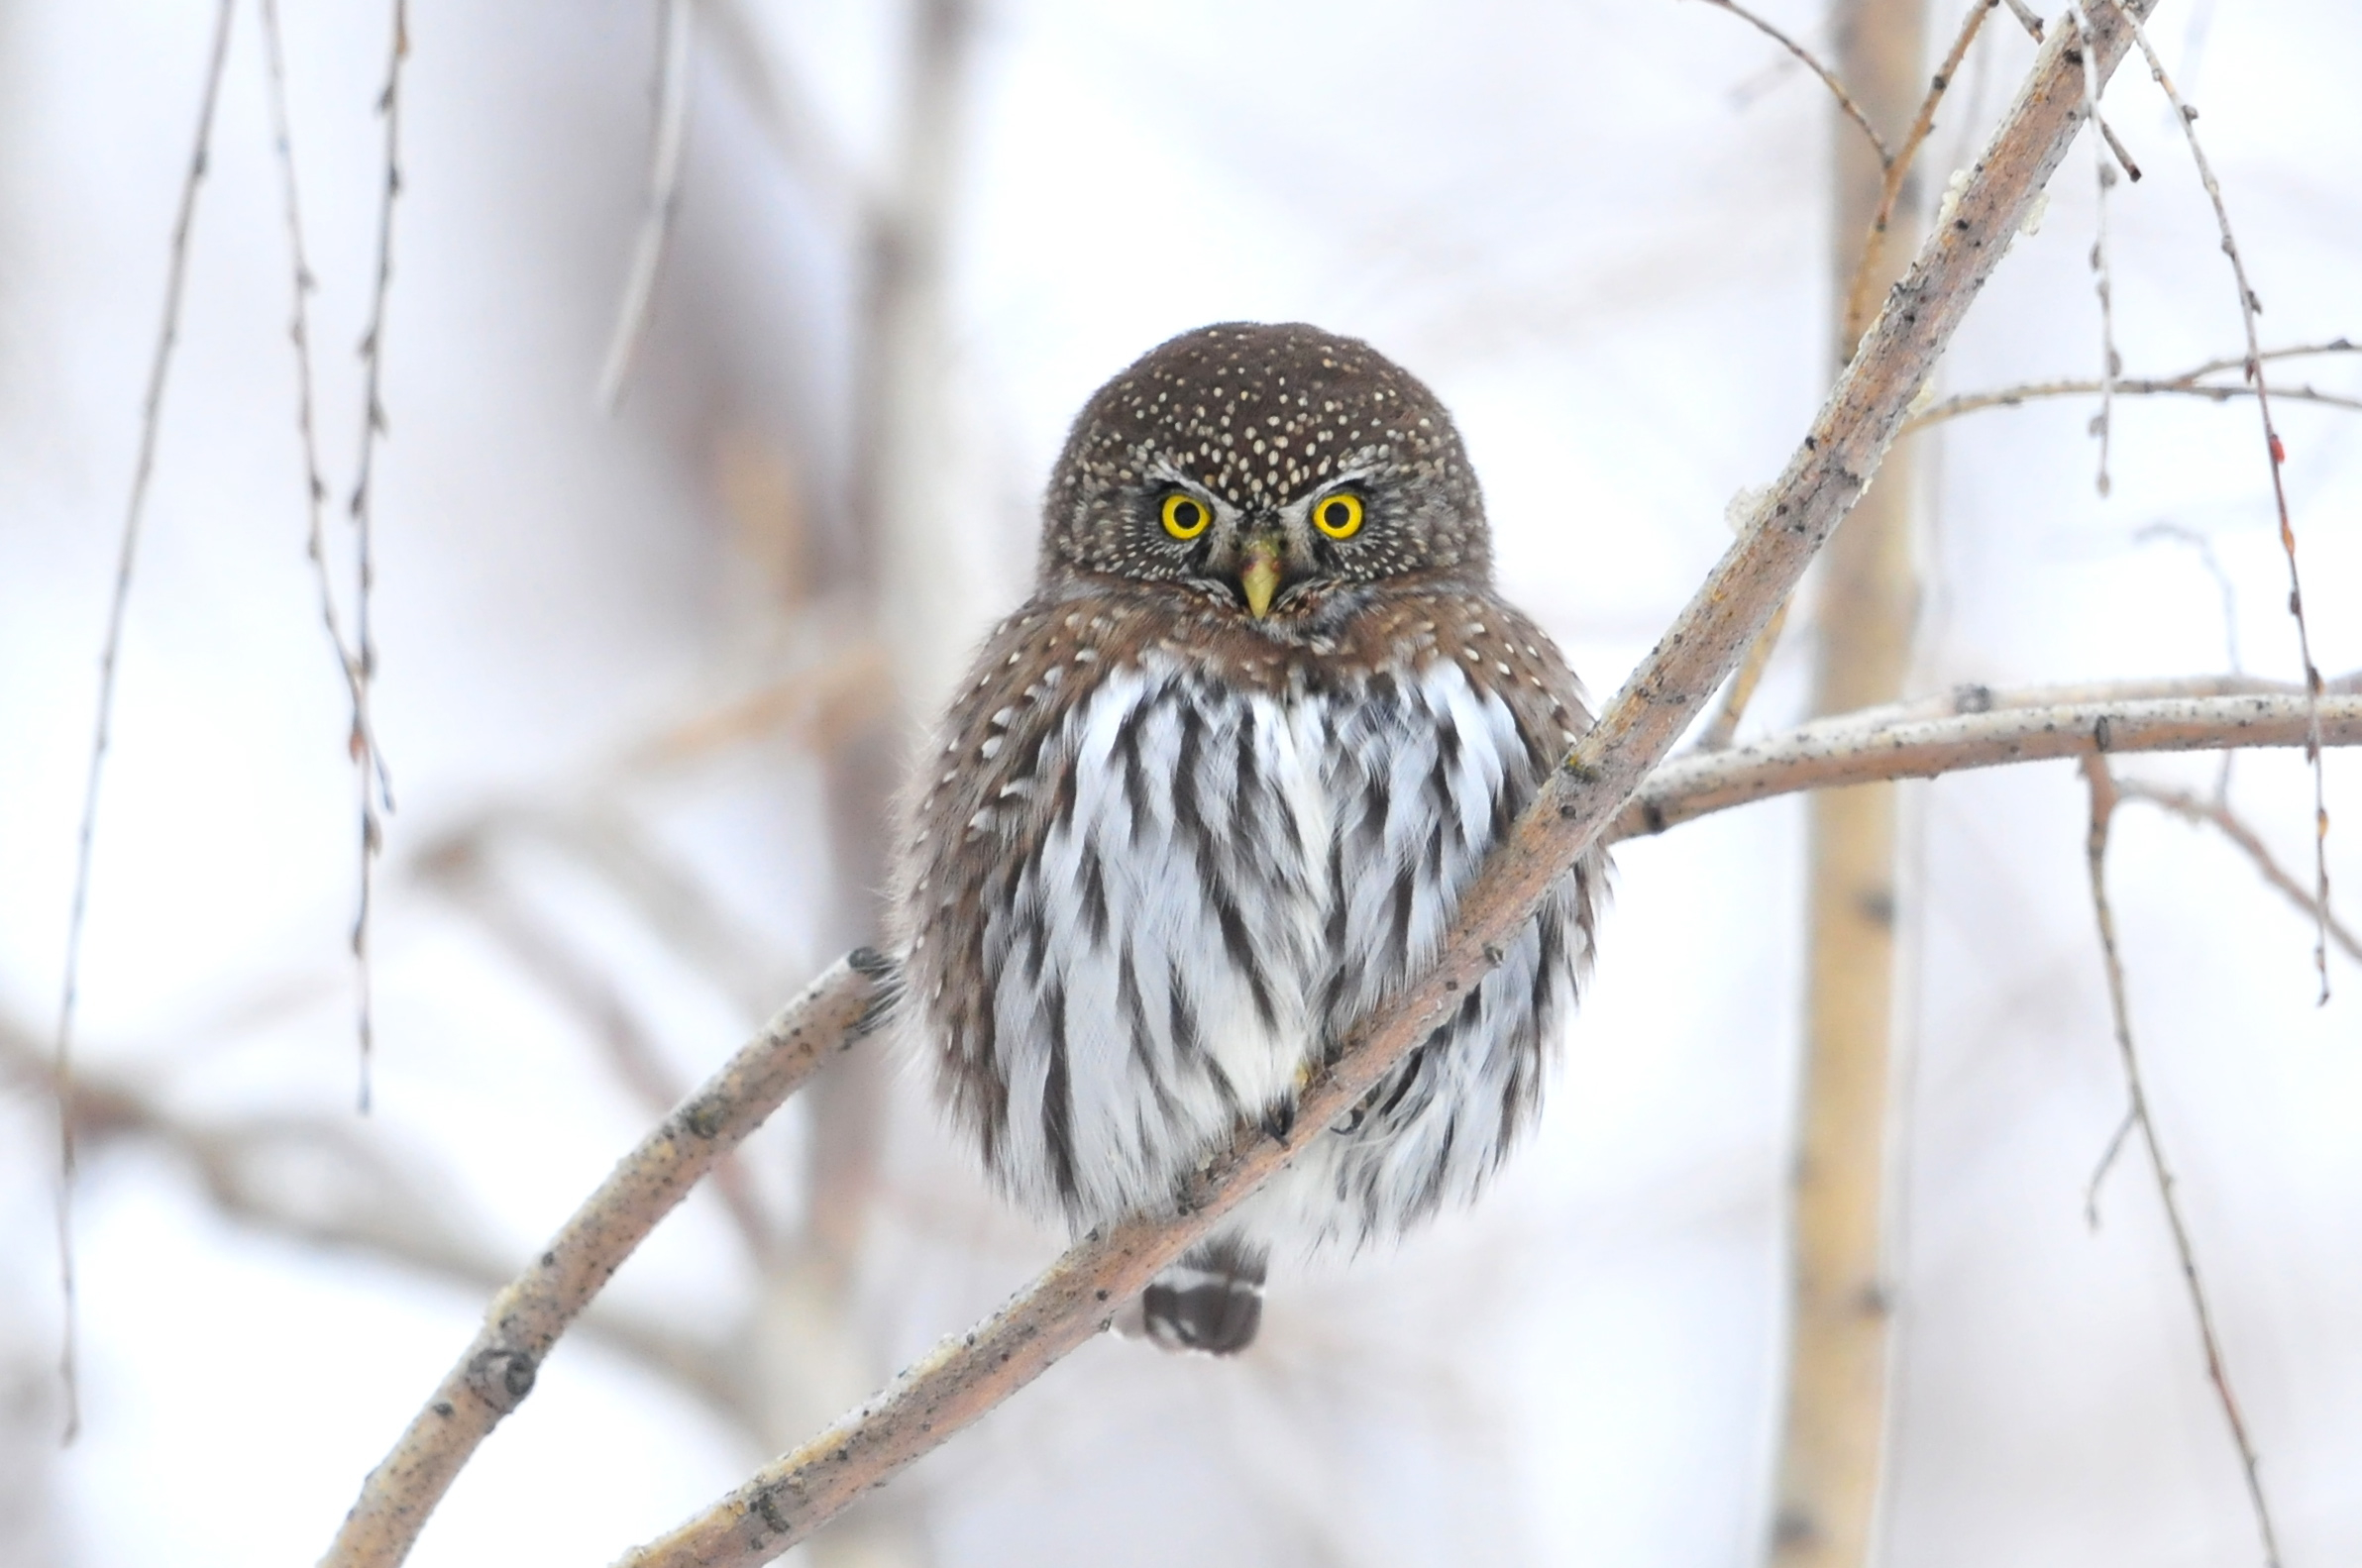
(1164, 468)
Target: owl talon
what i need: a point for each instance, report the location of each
(1280, 1119)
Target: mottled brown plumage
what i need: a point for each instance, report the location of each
(1166, 850)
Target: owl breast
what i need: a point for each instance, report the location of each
(1175, 889)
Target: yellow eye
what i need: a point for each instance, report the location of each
(1185, 516)
(1339, 516)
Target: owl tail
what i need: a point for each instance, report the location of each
(1212, 1301)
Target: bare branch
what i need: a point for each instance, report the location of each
(2103, 423)
(791, 1498)
(2189, 383)
(664, 201)
(2012, 396)
(2026, 19)
(2115, 145)
(373, 425)
(2276, 454)
(495, 1372)
(2217, 814)
(135, 513)
(1845, 99)
(1904, 742)
(2104, 806)
(361, 740)
(1898, 169)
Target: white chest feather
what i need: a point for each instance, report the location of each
(1224, 881)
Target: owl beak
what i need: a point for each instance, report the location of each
(1259, 577)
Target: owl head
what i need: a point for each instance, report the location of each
(1269, 469)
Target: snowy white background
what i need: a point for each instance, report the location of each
(1599, 230)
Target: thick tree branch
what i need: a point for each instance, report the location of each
(495, 1372)
(790, 1498)
(1900, 743)
(1975, 727)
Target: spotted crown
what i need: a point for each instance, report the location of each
(1263, 417)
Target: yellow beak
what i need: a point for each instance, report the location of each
(1260, 575)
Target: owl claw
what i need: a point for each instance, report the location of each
(1280, 1119)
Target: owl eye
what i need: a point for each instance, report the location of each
(1339, 516)
(1185, 516)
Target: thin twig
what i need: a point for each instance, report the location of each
(2103, 805)
(2217, 814)
(1845, 99)
(2228, 593)
(2277, 455)
(1860, 298)
(2138, 386)
(2103, 422)
(2188, 383)
(2026, 18)
(1741, 689)
(2101, 1168)
(2115, 145)
(2298, 351)
(135, 513)
(377, 795)
(663, 202)
(1898, 170)
(361, 740)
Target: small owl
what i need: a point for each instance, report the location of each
(1212, 796)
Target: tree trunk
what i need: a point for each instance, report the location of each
(1867, 608)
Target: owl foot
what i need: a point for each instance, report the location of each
(1211, 1302)
(1279, 1119)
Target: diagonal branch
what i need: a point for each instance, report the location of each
(1837, 89)
(790, 1498)
(497, 1371)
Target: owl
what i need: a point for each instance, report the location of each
(1211, 795)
